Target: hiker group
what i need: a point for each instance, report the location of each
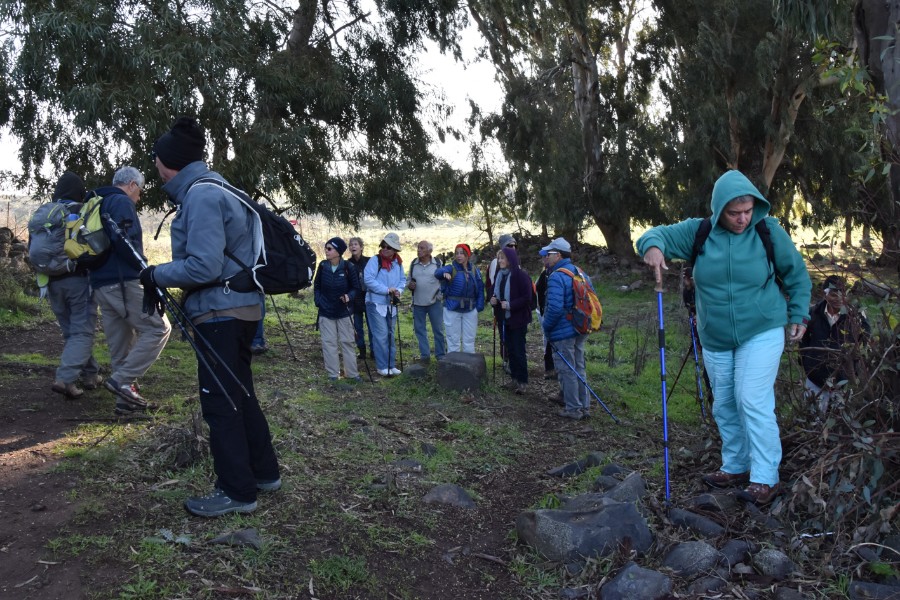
(749, 282)
(448, 298)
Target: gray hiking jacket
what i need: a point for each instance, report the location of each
(208, 220)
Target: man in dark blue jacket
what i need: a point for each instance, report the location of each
(135, 339)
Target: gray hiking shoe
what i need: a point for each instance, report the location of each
(69, 390)
(217, 504)
(91, 382)
(268, 485)
(575, 415)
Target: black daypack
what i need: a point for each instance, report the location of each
(762, 230)
(285, 263)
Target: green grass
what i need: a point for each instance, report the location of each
(342, 519)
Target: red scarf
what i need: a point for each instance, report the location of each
(387, 262)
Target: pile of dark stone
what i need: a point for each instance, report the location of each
(714, 544)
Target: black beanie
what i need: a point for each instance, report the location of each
(181, 145)
(338, 244)
(69, 187)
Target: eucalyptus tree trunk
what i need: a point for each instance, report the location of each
(877, 36)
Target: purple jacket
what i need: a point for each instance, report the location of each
(520, 291)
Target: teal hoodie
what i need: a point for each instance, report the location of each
(737, 296)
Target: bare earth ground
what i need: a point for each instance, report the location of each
(34, 500)
(38, 503)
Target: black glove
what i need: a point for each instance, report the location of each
(152, 298)
(147, 279)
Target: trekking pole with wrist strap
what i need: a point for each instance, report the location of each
(180, 318)
(585, 383)
(662, 377)
(353, 324)
(697, 370)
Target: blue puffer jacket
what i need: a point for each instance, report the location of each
(560, 299)
(330, 284)
(120, 264)
(208, 220)
(465, 291)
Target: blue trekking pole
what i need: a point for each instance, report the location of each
(585, 383)
(697, 370)
(662, 377)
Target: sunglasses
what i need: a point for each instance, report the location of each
(329, 248)
(512, 245)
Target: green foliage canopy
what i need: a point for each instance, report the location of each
(317, 102)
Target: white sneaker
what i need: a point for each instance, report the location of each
(383, 372)
(395, 371)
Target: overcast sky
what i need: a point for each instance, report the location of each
(458, 81)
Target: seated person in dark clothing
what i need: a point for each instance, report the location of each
(833, 325)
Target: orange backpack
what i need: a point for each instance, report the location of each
(587, 312)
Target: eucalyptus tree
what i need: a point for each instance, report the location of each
(314, 100)
(739, 87)
(574, 125)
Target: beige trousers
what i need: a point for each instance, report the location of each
(338, 334)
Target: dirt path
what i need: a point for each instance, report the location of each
(35, 500)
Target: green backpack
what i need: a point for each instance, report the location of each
(86, 240)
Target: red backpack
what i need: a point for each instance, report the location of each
(587, 312)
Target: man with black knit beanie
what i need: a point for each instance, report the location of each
(75, 310)
(210, 220)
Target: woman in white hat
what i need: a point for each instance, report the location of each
(385, 281)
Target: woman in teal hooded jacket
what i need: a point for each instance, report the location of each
(741, 315)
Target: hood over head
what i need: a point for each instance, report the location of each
(512, 257)
(734, 184)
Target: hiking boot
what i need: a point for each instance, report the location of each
(520, 389)
(91, 382)
(69, 390)
(760, 494)
(259, 349)
(383, 372)
(550, 375)
(124, 409)
(394, 371)
(268, 485)
(574, 414)
(721, 479)
(129, 393)
(217, 504)
(585, 413)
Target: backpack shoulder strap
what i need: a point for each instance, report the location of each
(765, 235)
(414, 262)
(700, 238)
(762, 230)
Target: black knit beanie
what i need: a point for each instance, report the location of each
(181, 145)
(338, 244)
(69, 187)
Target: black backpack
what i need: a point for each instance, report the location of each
(285, 264)
(762, 230)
